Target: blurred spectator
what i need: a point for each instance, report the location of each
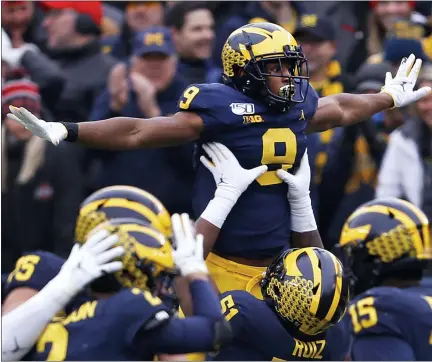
(317, 36)
(22, 21)
(73, 29)
(284, 13)
(404, 38)
(41, 183)
(147, 87)
(406, 170)
(11, 68)
(384, 14)
(193, 36)
(139, 15)
(111, 21)
(349, 19)
(354, 159)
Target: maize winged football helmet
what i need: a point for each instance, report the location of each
(246, 53)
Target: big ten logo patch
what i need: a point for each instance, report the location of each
(252, 119)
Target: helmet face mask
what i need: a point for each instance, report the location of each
(147, 263)
(246, 55)
(306, 289)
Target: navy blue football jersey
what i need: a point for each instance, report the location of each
(101, 330)
(260, 335)
(34, 270)
(259, 224)
(130, 325)
(390, 323)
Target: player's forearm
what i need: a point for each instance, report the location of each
(211, 220)
(125, 133)
(22, 326)
(205, 300)
(210, 233)
(203, 332)
(189, 335)
(357, 107)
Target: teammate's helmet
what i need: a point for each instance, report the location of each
(244, 58)
(121, 202)
(384, 238)
(307, 289)
(147, 263)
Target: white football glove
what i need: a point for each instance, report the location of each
(189, 255)
(401, 87)
(302, 217)
(89, 262)
(231, 180)
(51, 131)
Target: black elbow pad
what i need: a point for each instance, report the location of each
(223, 334)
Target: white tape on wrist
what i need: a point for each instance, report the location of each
(302, 216)
(217, 211)
(22, 326)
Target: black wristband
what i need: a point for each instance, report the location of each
(72, 131)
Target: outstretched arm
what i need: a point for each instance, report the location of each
(346, 109)
(119, 133)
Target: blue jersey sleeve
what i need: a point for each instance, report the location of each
(377, 315)
(231, 303)
(132, 310)
(33, 270)
(381, 348)
(209, 101)
(200, 333)
(192, 334)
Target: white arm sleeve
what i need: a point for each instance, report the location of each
(22, 326)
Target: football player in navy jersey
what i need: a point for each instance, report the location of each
(39, 269)
(125, 319)
(385, 246)
(51, 286)
(262, 113)
(305, 293)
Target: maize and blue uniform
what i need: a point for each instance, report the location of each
(34, 270)
(131, 325)
(260, 335)
(390, 323)
(259, 225)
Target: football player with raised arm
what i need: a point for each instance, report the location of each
(41, 271)
(22, 325)
(262, 113)
(125, 317)
(305, 293)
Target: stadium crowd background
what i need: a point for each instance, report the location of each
(76, 61)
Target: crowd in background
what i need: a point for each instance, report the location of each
(76, 61)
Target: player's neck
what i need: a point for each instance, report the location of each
(400, 283)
